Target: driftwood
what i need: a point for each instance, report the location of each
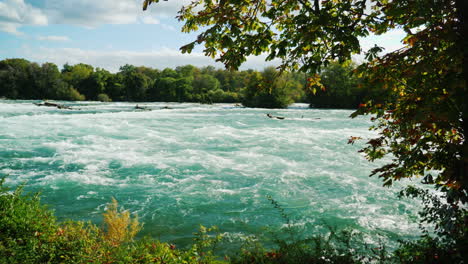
(277, 117)
(49, 104)
(143, 108)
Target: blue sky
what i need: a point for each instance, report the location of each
(111, 33)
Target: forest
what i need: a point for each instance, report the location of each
(22, 79)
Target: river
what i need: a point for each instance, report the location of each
(182, 165)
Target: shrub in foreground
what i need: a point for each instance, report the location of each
(29, 233)
(444, 222)
(336, 246)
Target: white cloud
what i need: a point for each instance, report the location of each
(15, 13)
(91, 12)
(87, 13)
(53, 38)
(150, 20)
(168, 27)
(112, 60)
(11, 28)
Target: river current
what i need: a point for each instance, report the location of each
(182, 165)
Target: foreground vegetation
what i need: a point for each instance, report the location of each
(30, 233)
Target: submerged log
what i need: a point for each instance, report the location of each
(143, 108)
(49, 104)
(277, 117)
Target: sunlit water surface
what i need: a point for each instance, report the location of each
(201, 164)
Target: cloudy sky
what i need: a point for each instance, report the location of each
(110, 33)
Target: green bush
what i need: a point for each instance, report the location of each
(445, 230)
(29, 233)
(220, 96)
(103, 98)
(336, 246)
(70, 94)
(26, 228)
(267, 90)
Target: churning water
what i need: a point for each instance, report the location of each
(201, 164)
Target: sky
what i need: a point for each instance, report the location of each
(112, 33)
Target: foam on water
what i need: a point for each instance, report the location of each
(200, 164)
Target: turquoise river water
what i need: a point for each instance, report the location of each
(201, 164)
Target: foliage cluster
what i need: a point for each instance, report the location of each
(423, 121)
(340, 88)
(445, 231)
(120, 226)
(293, 246)
(267, 90)
(342, 246)
(29, 233)
(444, 239)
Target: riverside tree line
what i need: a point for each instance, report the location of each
(22, 79)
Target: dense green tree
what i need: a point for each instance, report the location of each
(102, 97)
(187, 71)
(151, 73)
(166, 89)
(8, 85)
(184, 89)
(340, 89)
(294, 84)
(168, 72)
(136, 85)
(45, 79)
(204, 83)
(267, 90)
(13, 77)
(210, 70)
(32, 84)
(21, 79)
(95, 84)
(115, 88)
(231, 81)
(127, 69)
(66, 92)
(77, 76)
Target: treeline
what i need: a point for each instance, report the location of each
(22, 79)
